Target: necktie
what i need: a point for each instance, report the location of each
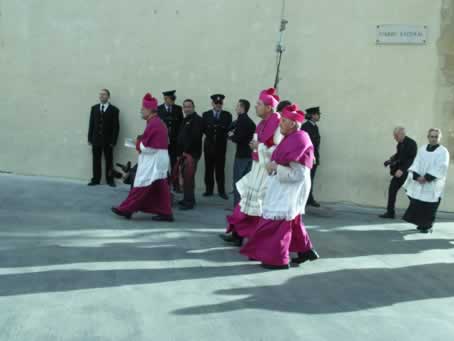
(102, 108)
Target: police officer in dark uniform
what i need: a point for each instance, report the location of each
(216, 124)
(172, 115)
(103, 133)
(310, 127)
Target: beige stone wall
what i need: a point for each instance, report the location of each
(444, 106)
(56, 55)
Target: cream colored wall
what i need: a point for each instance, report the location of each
(56, 55)
(444, 103)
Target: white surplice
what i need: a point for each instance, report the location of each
(287, 192)
(252, 187)
(435, 163)
(153, 165)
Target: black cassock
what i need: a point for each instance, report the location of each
(215, 148)
(103, 133)
(172, 119)
(422, 213)
(314, 134)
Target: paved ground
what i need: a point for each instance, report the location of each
(69, 270)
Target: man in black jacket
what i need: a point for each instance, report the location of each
(242, 134)
(172, 115)
(189, 148)
(102, 136)
(216, 125)
(398, 165)
(310, 127)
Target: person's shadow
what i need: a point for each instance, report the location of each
(346, 243)
(69, 280)
(202, 245)
(339, 291)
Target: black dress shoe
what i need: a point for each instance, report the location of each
(227, 237)
(223, 196)
(310, 255)
(111, 184)
(275, 267)
(207, 194)
(161, 217)
(425, 230)
(233, 238)
(93, 183)
(387, 215)
(313, 203)
(121, 214)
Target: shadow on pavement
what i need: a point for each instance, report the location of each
(67, 280)
(340, 291)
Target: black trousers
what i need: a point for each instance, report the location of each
(173, 156)
(132, 174)
(394, 186)
(98, 151)
(215, 167)
(311, 196)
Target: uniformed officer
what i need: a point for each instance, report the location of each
(172, 115)
(216, 123)
(310, 127)
(102, 136)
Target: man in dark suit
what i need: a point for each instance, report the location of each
(102, 136)
(242, 133)
(398, 165)
(310, 127)
(216, 125)
(189, 153)
(172, 115)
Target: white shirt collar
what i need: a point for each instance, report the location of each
(106, 105)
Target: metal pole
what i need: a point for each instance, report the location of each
(280, 46)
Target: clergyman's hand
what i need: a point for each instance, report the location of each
(271, 167)
(253, 145)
